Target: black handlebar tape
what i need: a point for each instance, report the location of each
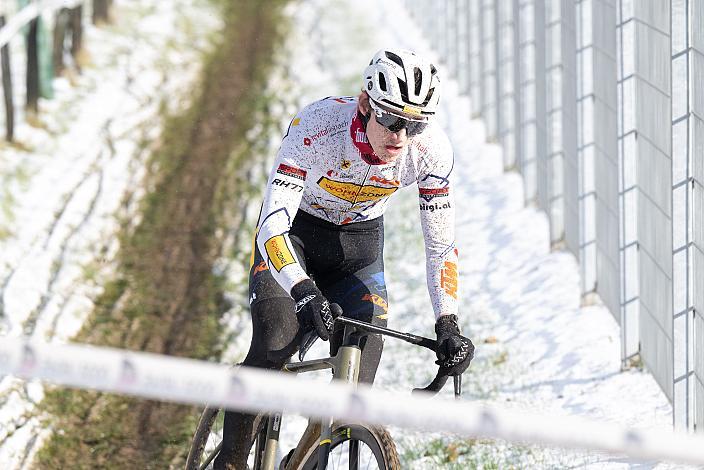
(435, 386)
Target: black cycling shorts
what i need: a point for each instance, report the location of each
(345, 261)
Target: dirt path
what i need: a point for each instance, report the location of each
(167, 299)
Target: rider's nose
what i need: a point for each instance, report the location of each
(399, 135)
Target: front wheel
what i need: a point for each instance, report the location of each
(355, 447)
(207, 440)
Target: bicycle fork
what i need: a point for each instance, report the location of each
(272, 443)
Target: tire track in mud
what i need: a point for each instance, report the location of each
(71, 220)
(170, 298)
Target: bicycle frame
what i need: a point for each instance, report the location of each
(345, 365)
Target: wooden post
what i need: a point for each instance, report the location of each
(7, 88)
(57, 55)
(76, 32)
(33, 68)
(101, 11)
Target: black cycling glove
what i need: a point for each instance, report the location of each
(454, 351)
(312, 308)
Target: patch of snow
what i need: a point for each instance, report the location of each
(68, 180)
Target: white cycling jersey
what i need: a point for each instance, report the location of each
(327, 168)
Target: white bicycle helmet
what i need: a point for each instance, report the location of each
(403, 81)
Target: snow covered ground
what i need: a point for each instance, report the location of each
(536, 348)
(72, 180)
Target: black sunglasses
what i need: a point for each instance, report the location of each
(395, 123)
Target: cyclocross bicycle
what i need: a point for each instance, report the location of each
(338, 444)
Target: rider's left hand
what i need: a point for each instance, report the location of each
(454, 351)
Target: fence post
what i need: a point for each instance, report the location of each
(76, 25)
(7, 89)
(101, 11)
(60, 25)
(33, 67)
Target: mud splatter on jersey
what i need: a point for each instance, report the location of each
(327, 168)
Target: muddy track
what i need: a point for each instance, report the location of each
(167, 299)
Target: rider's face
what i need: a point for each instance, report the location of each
(387, 145)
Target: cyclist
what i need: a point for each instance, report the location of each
(319, 236)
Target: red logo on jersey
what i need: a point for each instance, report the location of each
(430, 193)
(306, 141)
(291, 171)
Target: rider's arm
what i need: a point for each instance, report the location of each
(437, 216)
(283, 196)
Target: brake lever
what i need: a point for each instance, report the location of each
(434, 387)
(307, 341)
(310, 337)
(438, 383)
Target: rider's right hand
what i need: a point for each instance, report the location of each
(313, 308)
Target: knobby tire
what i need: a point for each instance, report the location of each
(377, 439)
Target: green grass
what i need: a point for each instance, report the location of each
(166, 297)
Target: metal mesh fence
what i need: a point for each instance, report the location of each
(489, 76)
(475, 63)
(653, 147)
(695, 30)
(507, 71)
(599, 104)
(569, 121)
(683, 325)
(528, 158)
(628, 186)
(585, 145)
(561, 109)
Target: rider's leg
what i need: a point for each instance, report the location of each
(362, 295)
(275, 338)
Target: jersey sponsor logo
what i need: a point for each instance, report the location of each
(286, 184)
(352, 192)
(448, 279)
(345, 164)
(419, 145)
(365, 150)
(382, 180)
(376, 300)
(310, 139)
(360, 136)
(430, 193)
(434, 207)
(291, 171)
(278, 252)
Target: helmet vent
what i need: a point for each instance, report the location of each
(404, 90)
(418, 76)
(382, 82)
(394, 58)
(430, 95)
